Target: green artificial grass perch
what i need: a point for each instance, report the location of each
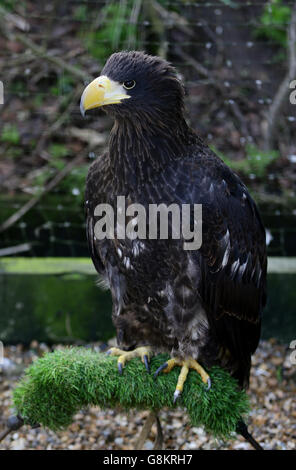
(59, 384)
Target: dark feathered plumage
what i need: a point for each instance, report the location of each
(206, 303)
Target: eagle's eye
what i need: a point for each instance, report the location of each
(129, 84)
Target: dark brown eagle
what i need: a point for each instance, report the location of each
(200, 305)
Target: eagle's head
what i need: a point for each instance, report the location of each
(135, 83)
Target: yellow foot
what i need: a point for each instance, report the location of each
(144, 352)
(185, 364)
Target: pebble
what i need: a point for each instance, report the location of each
(148, 445)
(118, 441)
(18, 444)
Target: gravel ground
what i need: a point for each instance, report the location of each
(272, 420)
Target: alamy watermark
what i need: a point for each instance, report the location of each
(159, 221)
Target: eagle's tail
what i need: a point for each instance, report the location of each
(242, 429)
(13, 424)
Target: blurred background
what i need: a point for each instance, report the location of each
(237, 59)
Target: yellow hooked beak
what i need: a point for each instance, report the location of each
(101, 92)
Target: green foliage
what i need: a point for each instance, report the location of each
(38, 100)
(73, 184)
(58, 385)
(256, 161)
(9, 4)
(63, 85)
(81, 13)
(279, 374)
(58, 151)
(19, 87)
(41, 178)
(229, 3)
(274, 20)
(120, 27)
(13, 152)
(174, 6)
(10, 134)
(116, 32)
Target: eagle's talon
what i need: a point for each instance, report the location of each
(186, 365)
(176, 395)
(119, 365)
(144, 352)
(209, 384)
(163, 366)
(146, 362)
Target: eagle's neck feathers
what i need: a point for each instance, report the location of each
(140, 147)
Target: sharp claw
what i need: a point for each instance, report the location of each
(146, 362)
(163, 366)
(119, 368)
(209, 384)
(176, 395)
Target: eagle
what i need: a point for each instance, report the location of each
(202, 306)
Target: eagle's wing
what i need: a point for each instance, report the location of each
(232, 259)
(94, 194)
(91, 243)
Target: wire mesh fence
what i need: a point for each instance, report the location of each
(233, 57)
